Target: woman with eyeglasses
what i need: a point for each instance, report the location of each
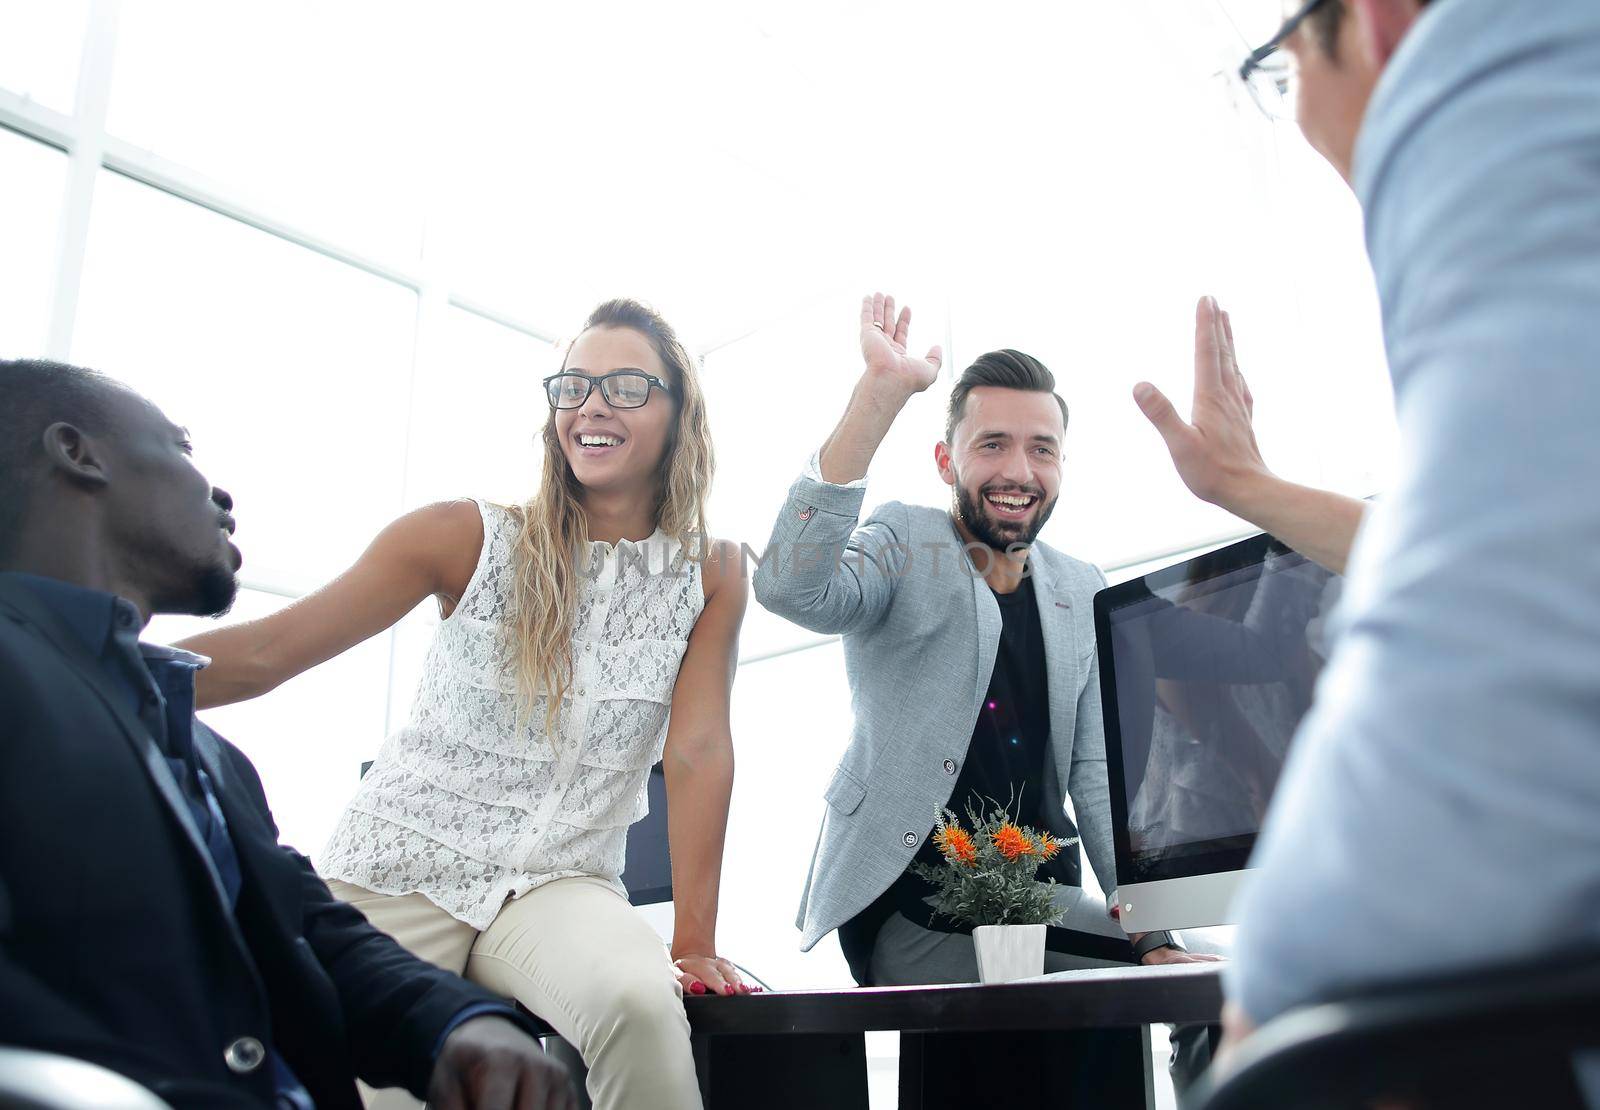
(488, 836)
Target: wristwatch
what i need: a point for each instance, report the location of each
(1151, 941)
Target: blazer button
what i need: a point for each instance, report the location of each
(244, 1055)
(911, 839)
(949, 766)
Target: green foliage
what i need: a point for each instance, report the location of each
(988, 876)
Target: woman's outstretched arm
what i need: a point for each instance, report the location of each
(699, 769)
(428, 552)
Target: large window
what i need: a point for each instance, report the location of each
(40, 45)
(309, 737)
(478, 410)
(293, 371)
(34, 176)
(343, 243)
(311, 111)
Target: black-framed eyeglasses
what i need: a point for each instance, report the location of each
(622, 389)
(1269, 75)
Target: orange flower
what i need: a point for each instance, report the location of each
(956, 844)
(1049, 846)
(1012, 841)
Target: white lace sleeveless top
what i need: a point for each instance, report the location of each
(469, 807)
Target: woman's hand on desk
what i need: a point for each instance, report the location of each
(702, 974)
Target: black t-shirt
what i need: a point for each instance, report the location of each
(1004, 765)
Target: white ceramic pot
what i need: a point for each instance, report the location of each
(1007, 952)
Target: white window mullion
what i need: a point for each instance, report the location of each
(427, 342)
(85, 149)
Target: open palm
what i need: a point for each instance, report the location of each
(1215, 449)
(883, 345)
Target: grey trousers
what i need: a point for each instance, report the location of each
(907, 954)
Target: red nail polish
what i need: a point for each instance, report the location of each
(697, 988)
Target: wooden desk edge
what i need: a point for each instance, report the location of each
(1116, 997)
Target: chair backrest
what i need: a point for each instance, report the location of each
(647, 870)
(33, 1080)
(1509, 1036)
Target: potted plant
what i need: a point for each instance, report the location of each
(988, 880)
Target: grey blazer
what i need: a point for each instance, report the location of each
(921, 629)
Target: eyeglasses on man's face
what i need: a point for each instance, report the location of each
(1271, 73)
(622, 389)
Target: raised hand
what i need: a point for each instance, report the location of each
(1216, 454)
(1215, 450)
(891, 378)
(883, 345)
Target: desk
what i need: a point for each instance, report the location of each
(967, 1046)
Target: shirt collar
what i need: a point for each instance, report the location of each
(92, 615)
(95, 616)
(650, 541)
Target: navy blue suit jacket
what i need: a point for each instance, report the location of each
(116, 942)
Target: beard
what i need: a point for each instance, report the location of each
(204, 591)
(216, 588)
(990, 529)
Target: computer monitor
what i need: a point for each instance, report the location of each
(1206, 669)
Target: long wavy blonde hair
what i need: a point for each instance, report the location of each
(553, 526)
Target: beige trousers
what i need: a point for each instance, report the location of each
(578, 955)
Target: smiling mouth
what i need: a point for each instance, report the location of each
(597, 441)
(1011, 505)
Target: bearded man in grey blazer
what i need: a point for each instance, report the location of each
(970, 653)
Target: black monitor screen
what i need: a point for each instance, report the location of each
(1206, 669)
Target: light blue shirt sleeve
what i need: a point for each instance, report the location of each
(1441, 806)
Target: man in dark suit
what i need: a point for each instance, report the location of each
(149, 920)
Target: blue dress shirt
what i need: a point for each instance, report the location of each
(1441, 807)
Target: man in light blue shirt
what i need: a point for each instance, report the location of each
(1453, 753)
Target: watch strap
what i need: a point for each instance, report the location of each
(1148, 943)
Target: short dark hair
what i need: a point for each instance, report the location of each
(1326, 21)
(34, 394)
(1006, 369)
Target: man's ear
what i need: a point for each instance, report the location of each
(1381, 25)
(74, 454)
(946, 465)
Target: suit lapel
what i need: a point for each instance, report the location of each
(986, 618)
(1060, 662)
(38, 616)
(261, 867)
(1059, 657)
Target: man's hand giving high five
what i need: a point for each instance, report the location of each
(1216, 455)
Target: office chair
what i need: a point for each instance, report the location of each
(1504, 1037)
(32, 1080)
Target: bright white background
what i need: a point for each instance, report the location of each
(342, 243)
